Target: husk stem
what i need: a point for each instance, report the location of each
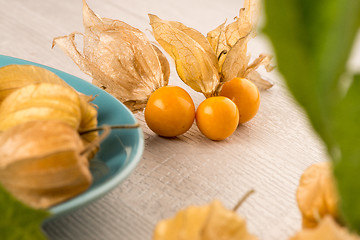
(101, 128)
(243, 199)
(106, 131)
(223, 52)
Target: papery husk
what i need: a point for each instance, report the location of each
(48, 101)
(224, 38)
(255, 77)
(217, 40)
(316, 194)
(236, 61)
(13, 77)
(209, 222)
(119, 58)
(196, 62)
(230, 43)
(327, 229)
(206, 63)
(88, 121)
(42, 164)
(44, 101)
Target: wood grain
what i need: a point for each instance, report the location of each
(267, 154)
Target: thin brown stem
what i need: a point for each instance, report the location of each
(125, 126)
(243, 199)
(223, 52)
(96, 143)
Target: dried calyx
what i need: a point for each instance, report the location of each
(212, 221)
(13, 77)
(48, 133)
(316, 195)
(50, 167)
(205, 63)
(49, 101)
(327, 228)
(119, 58)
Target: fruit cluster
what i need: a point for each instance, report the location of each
(170, 111)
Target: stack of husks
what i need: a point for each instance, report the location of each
(44, 158)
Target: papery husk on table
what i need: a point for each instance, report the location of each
(119, 58)
(316, 194)
(205, 63)
(327, 229)
(209, 222)
(42, 163)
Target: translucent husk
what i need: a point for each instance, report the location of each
(206, 63)
(327, 229)
(49, 101)
(196, 63)
(118, 57)
(13, 77)
(44, 101)
(316, 194)
(42, 163)
(210, 222)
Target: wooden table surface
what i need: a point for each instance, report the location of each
(267, 154)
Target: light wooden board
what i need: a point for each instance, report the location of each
(267, 154)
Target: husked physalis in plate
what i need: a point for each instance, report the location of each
(204, 63)
(49, 101)
(29, 92)
(43, 155)
(316, 194)
(119, 58)
(43, 163)
(13, 77)
(209, 222)
(39, 102)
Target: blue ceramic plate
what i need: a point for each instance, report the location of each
(119, 153)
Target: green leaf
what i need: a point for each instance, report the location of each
(346, 129)
(19, 221)
(312, 42)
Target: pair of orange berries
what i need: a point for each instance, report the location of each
(170, 110)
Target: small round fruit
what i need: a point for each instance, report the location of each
(170, 111)
(217, 117)
(245, 95)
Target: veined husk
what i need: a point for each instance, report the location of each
(16, 76)
(49, 101)
(327, 229)
(119, 57)
(42, 163)
(316, 194)
(205, 63)
(196, 62)
(212, 221)
(44, 101)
